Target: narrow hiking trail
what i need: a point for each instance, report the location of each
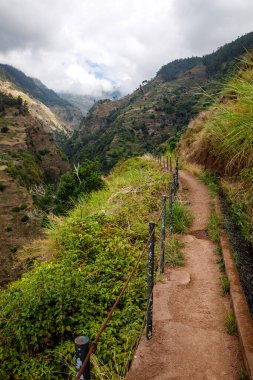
(189, 335)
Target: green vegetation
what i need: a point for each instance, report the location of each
(210, 180)
(175, 256)
(83, 179)
(23, 206)
(24, 168)
(25, 218)
(173, 69)
(243, 374)
(182, 217)
(8, 229)
(4, 129)
(220, 260)
(2, 186)
(231, 326)
(94, 249)
(214, 227)
(225, 285)
(221, 139)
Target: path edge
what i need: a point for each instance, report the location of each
(239, 303)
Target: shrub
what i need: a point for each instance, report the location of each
(25, 218)
(2, 186)
(8, 229)
(4, 129)
(72, 185)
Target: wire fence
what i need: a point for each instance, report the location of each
(85, 348)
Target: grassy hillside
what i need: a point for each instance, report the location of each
(221, 139)
(145, 120)
(92, 252)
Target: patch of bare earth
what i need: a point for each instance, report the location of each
(189, 336)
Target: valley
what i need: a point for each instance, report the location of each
(79, 183)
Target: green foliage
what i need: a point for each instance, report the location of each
(2, 186)
(231, 125)
(214, 228)
(220, 260)
(25, 218)
(182, 217)
(174, 254)
(4, 129)
(241, 218)
(231, 323)
(210, 180)
(74, 184)
(96, 247)
(172, 70)
(23, 206)
(225, 285)
(24, 168)
(243, 374)
(221, 60)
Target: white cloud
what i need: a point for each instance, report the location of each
(90, 46)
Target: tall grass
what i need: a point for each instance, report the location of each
(231, 125)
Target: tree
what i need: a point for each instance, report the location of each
(84, 179)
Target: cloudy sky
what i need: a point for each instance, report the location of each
(90, 46)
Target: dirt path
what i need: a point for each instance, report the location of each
(189, 336)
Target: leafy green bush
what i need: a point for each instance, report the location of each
(2, 186)
(72, 185)
(4, 129)
(25, 218)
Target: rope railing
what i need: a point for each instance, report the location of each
(82, 359)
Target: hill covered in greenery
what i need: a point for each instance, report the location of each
(159, 110)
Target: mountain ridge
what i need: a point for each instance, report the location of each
(66, 112)
(147, 119)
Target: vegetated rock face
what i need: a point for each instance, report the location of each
(67, 113)
(29, 156)
(156, 111)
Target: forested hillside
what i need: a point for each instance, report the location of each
(157, 111)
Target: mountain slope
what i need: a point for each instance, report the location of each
(145, 120)
(29, 157)
(62, 108)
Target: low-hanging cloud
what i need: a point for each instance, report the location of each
(92, 46)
